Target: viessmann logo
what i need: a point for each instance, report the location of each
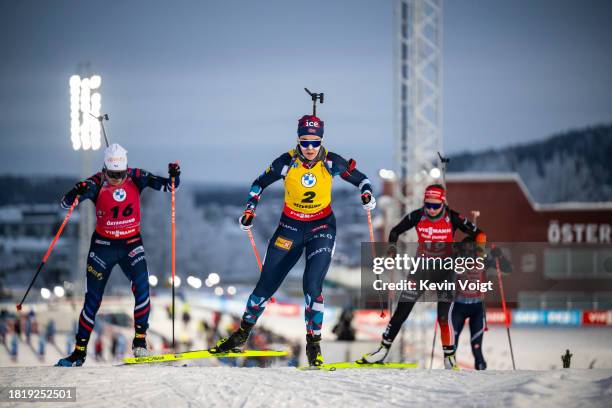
(432, 230)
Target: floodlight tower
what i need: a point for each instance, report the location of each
(418, 96)
(418, 122)
(85, 101)
(85, 134)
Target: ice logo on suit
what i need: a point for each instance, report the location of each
(309, 180)
(119, 195)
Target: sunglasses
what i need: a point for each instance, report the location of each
(308, 143)
(117, 175)
(433, 206)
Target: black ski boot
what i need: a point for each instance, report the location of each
(313, 350)
(78, 356)
(479, 361)
(139, 344)
(235, 341)
(480, 365)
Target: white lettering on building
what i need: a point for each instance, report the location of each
(579, 232)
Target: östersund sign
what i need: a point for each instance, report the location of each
(590, 233)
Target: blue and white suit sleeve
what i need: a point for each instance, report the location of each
(276, 171)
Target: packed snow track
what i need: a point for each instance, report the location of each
(174, 386)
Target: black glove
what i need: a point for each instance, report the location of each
(368, 202)
(174, 170)
(366, 197)
(496, 252)
(246, 219)
(81, 187)
(391, 251)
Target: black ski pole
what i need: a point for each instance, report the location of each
(433, 344)
(506, 314)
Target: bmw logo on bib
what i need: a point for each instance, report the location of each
(309, 180)
(119, 194)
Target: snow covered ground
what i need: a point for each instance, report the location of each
(178, 386)
(208, 383)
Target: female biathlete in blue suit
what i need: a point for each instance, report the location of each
(306, 225)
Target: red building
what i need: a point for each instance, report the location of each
(509, 214)
(561, 253)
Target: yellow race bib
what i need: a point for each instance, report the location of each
(308, 191)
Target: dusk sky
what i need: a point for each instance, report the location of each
(219, 85)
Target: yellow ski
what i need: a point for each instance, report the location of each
(160, 358)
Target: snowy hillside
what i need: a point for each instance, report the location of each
(571, 166)
(177, 386)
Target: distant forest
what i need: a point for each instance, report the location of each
(572, 166)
